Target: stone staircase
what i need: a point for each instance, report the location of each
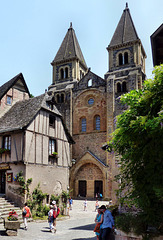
(6, 206)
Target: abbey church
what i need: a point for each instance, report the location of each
(89, 104)
(61, 133)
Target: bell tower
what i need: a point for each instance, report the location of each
(69, 67)
(126, 61)
(69, 63)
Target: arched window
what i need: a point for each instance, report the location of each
(125, 58)
(62, 97)
(120, 59)
(81, 74)
(97, 122)
(61, 73)
(124, 87)
(58, 98)
(83, 125)
(66, 72)
(90, 83)
(118, 87)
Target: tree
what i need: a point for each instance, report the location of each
(138, 139)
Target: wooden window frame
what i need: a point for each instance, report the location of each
(52, 120)
(7, 142)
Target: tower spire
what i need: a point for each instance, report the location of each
(126, 4)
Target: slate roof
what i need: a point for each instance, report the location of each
(22, 113)
(98, 159)
(125, 31)
(6, 86)
(69, 48)
(157, 46)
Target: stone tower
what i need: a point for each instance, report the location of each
(126, 62)
(126, 72)
(69, 67)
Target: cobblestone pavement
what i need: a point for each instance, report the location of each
(78, 226)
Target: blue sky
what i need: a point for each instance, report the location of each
(31, 33)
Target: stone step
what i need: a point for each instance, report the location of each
(6, 206)
(5, 211)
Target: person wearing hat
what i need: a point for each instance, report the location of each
(56, 212)
(107, 225)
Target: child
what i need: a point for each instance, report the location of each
(50, 218)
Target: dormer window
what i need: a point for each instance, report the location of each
(90, 83)
(9, 100)
(52, 121)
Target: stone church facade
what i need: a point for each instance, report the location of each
(89, 104)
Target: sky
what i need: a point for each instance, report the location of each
(32, 31)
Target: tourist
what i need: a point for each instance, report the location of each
(50, 218)
(26, 213)
(107, 225)
(56, 212)
(85, 205)
(98, 221)
(96, 205)
(70, 203)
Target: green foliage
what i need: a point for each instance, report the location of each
(114, 210)
(55, 198)
(123, 222)
(65, 196)
(137, 224)
(45, 210)
(54, 153)
(24, 184)
(38, 196)
(35, 202)
(12, 218)
(138, 139)
(3, 150)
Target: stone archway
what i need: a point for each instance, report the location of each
(85, 178)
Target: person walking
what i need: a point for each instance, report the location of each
(56, 212)
(50, 218)
(96, 205)
(98, 221)
(70, 203)
(107, 225)
(85, 205)
(26, 213)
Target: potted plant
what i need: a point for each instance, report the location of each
(11, 223)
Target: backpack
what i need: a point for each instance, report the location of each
(24, 212)
(55, 215)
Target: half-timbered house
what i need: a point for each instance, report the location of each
(34, 140)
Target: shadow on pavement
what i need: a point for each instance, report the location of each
(46, 229)
(85, 238)
(85, 227)
(3, 233)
